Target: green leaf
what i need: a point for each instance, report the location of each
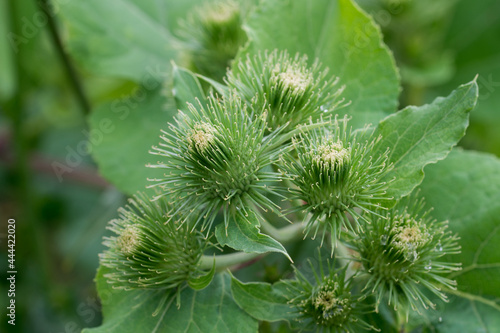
(244, 235)
(417, 136)
(465, 189)
(122, 133)
(475, 53)
(187, 88)
(103, 40)
(174, 10)
(462, 315)
(209, 310)
(221, 89)
(264, 301)
(202, 281)
(343, 38)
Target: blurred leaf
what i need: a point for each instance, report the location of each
(167, 12)
(343, 38)
(465, 189)
(243, 234)
(417, 136)
(104, 40)
(122, 133)
(415, 32)
(477, 51)
(436, 71)
(209, 310)
(264, 301)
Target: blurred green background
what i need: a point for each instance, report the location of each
(45, 97)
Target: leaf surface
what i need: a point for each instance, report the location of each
(209, 310)
(465, 190)
(417, 136)
(118, 38)
(124, 131)
(244, 235)
(264, 301)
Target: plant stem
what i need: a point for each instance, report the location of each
(73, 77)
(342, 255)
(285, 234)
(300, 215)
(224, 261)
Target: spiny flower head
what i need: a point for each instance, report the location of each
(328, 305)
(129, 240)
(213, 35)
(146, 252)
(201, 136)
(403, 251)
(294, 91)
(331, 155)
(336, 175)
(215, 158)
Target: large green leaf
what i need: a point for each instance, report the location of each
(465, 189)
(417, 136)
(243, 234)
(264, 301)
(343, 38)
(136, 123)
(119, 38)
(210, 310)
(124, 132)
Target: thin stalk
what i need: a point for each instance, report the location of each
(73, 77)
(285, 234)
(342, 255)
(224, 261)
(300, 215)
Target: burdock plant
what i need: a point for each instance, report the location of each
(272, 152)
(328, 303)
(337, 175)
(216, 158)
(293, 91)
(150, 251)
(402, 254)
(212, 35)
